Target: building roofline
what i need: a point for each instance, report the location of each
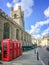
(4, 15)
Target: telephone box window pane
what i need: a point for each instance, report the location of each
(5, 51)
(10, 49)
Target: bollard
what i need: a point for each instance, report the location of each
(48, 62)
(1, 63)
(37, 56)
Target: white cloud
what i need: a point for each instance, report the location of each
(15, 1)
(16, 6)
(41, 23)
(8, 4)
(36, 36)
(46, 12)
(26, 6)
(45, 32)
(35, 29)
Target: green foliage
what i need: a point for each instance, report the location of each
(34, 45)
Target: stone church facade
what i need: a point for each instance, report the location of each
(13, 27)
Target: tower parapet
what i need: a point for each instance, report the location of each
(17, 16)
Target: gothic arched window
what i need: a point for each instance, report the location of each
(17, 34)
(21, 35)
(15, 15)
(6, 30)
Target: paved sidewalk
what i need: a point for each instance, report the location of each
(28, 58)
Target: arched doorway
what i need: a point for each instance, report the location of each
(6, 33)
(17, 34)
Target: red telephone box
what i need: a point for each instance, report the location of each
(17, 48)
(6, 50)
(13, 48)
(20, 48)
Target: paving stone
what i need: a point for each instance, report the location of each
(28, 58)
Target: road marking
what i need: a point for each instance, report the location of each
(42, 61)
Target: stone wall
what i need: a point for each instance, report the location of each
(13, 26)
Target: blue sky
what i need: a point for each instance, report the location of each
(36, 15)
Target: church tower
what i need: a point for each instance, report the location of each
(17, 16)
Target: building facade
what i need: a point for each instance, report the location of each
(13, 27)
(45, 41)
(36, 41)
